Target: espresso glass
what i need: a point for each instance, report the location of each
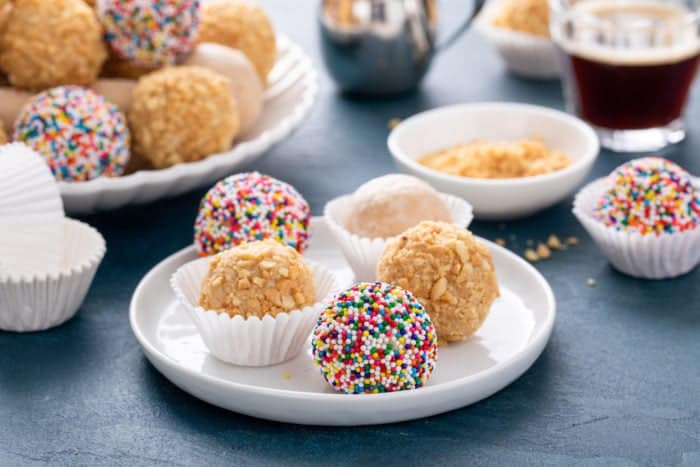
(628, 67)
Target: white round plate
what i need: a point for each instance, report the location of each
(510, 340)
(292, 87)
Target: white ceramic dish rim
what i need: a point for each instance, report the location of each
(68, 271)
(239, 151)
(578, 164)
(537, 340)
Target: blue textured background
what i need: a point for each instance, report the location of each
(619, 383)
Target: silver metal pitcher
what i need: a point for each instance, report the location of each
(382, 46)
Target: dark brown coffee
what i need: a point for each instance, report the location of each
(633, 83)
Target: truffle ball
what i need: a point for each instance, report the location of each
(388, 205)
(11, 103)
(81, 135)
(182, 114)
(245, 84)
(257, 279)
(649, 196)
(374, 338)
(448, 271)
(241, 25)
(116, 67)
(5, 7)
(117, 91)
(248, 207)
(51, 43)
(150, 32)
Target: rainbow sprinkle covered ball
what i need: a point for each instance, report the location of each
(150, 33)
(375, 338)
(650, 196)
(81, 135)
(248, 207)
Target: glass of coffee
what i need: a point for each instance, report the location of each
(628, 67)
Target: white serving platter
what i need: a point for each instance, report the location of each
(513, 336)
(292, 88)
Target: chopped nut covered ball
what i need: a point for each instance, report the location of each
(51, 43)
(257, 278)
(450, 273)
(240, 25)
(182, 114)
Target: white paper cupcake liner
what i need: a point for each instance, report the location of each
(42, 302)
(524, 54)
(31, 214)
(644, 256)
(253, 341)
(362, 253)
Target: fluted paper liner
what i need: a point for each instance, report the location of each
(45, 301)
(362, 253)
(525, 54)
(31, 214)
(644, 256)
(253, 341)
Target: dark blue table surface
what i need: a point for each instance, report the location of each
(618, 384)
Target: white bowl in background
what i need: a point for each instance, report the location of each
(526, 55)
(497, 199)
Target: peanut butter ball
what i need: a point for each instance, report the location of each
(51, 43)
(388, 205)
(448, 271)
(257, 279)
(182, 114)
(245, 84)
(240, 25)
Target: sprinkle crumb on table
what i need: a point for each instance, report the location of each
(393, 123)
(554, 242)
(500, 242)
(543, 251)
(531, 255)
(572, 241)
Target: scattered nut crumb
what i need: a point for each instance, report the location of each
(286, 375)
(531, 255)
(543, 251)
(393, 123)
(591, 282)
(553, 242)
(572, 241)
(500, 242)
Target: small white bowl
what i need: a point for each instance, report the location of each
(46, 301)
(525, 55)
(497, 199)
